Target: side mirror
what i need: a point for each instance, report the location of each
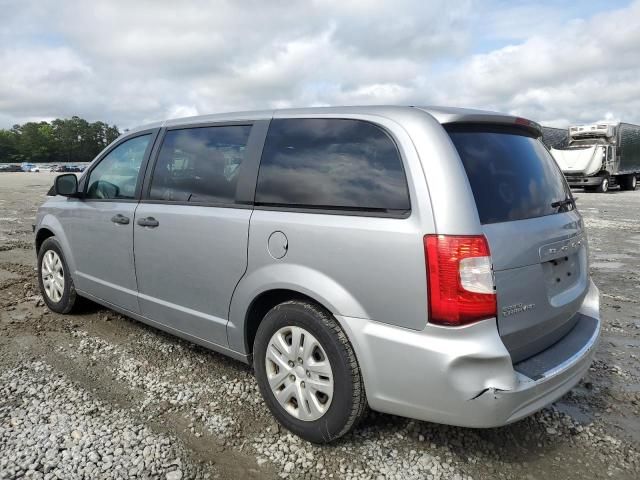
(67, 185)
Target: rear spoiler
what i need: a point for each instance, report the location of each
(504, 121)
(450, 116)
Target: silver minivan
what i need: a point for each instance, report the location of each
(424, 262)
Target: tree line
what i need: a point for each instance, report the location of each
(62, 140)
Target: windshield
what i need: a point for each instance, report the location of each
(512, 175)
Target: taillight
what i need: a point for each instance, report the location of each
(460, 280)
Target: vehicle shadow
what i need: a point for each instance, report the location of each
(554, 433)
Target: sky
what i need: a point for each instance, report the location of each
(134, 62)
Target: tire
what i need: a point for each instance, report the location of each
(604, 185)
(346, 403)
(56, 284)
(629, 182)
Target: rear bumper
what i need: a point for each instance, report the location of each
(461, 376)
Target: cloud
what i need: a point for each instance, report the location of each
(58, 73)
(584, 71)
(133, 62)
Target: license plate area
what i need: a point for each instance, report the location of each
(561, 273)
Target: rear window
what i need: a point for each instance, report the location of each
(512, 175)
(333, 164)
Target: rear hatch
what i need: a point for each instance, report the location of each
(535, 234)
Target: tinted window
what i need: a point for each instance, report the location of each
(512, 175)
(117, 174)
(200, 165)
(343, 164)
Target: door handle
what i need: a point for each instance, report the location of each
(120, 219)
(148, 222)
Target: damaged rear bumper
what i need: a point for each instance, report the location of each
(464, 375)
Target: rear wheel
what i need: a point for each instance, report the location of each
(629, 182)
(54, 279)
(307, 372)
(604, 186)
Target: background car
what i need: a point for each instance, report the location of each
(10, 168)
(28, 167)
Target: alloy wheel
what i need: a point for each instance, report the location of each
(52, 273)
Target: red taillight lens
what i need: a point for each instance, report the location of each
(450, 303)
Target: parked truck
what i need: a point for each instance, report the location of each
(555, 137)
(600, 156)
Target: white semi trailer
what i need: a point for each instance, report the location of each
(600, 156)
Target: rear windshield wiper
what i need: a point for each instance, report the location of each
(563, 203)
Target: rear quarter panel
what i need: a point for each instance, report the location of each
(356, 266)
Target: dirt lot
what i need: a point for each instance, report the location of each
(96, 395)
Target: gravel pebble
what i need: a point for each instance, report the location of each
(50, 428)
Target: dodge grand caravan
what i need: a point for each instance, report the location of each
(425, 262)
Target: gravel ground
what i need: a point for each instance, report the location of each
(96, 395)
(51, 429)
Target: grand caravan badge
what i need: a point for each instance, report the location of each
(517, 308)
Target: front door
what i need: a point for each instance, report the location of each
(190, 233)
(100, 225)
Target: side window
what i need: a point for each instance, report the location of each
(331, 164)
(117, 174)
(200, 165)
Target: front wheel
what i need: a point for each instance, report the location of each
(307, 372)
(54, 279)
(604, 186)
